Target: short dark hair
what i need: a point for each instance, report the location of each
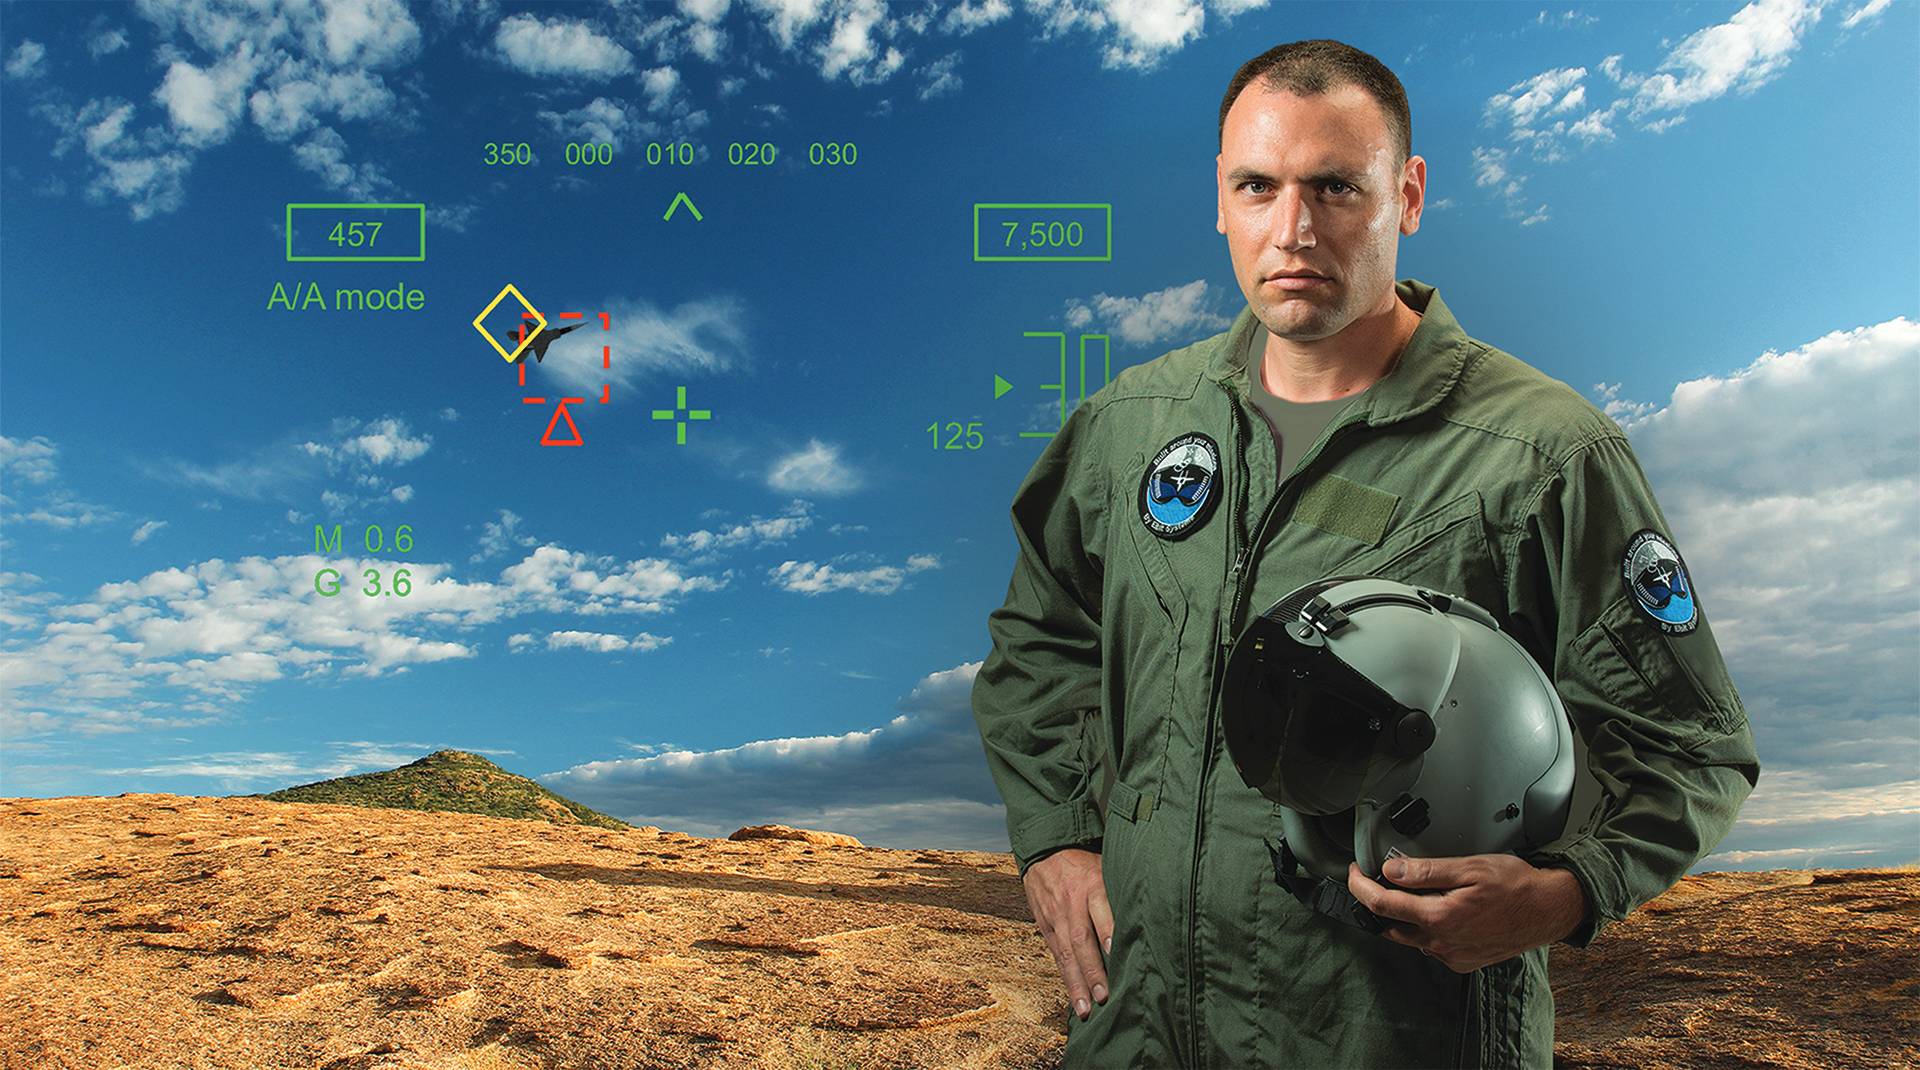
(1307, 68)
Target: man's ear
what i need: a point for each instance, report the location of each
(1219, 197)
(1413, 187)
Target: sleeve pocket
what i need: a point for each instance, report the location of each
(1635, 666)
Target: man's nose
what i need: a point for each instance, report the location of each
(1292, 220)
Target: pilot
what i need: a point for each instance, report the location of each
(1346, 424)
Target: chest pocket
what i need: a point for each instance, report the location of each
(1444, 549)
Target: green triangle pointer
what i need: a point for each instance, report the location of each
(678, 200)
(1000, 386)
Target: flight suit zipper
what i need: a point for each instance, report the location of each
(1236, 575)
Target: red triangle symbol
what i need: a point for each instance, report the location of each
(559, 414)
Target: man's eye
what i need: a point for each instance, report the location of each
(1255, 182)
(1342, 185)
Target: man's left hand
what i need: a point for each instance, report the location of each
(1478, 910)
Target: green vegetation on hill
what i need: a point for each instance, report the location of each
(450, 780)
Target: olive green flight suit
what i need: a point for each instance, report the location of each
(1463, 470)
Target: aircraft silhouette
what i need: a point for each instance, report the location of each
(538, 347)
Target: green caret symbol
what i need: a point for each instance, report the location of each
(674, 414)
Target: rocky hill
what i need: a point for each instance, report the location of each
(454, 781)
(176, 931)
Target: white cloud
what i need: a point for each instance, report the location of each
(324, 153)
(106, 42)
(386, 441)
(1804, 543)
(1135, 34)
(915, 781)
(30, 459)
(852, 48)
(316, 60)
(44, 499)
(938, 78)
(178, 641)
(145, 531)
(558, 47)
(1864, 13)
(252, 770)
(753, 532)
(501, 536)
(970, 15)
(205, 103)
(603, 643)
(353, 451)
(1542, 117)
(812, 577)
(817, 468)
(558, 579)
(787, 19)
(28, 60)
(1739, 55)
(702, 335)
(1163, 315)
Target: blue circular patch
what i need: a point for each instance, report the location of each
(1181, 484)
(1659, 583)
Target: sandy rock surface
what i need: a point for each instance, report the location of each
(177, 931)
(163, 930)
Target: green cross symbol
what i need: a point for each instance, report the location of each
(680, 406)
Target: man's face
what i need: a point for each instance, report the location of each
(1312, 184)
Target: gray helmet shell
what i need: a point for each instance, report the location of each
(1388, 719)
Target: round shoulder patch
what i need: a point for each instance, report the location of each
(1180, 486)
(1658, 581)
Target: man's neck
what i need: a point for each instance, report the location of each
(1343, 364)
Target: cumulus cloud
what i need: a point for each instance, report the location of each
(352, 452)
(937, 79)
(704, 335)
(204, 103)
(1804, 542)
(916, 780)
(145, 531)
(603, 643)
(501, 536)
(750, 533)
(34, 491)
(812, 577)
(1864, 13)
(28, 60)
(970, 15)
(668, 114)
(106, 42)
(183, 642)
(816, 468)
(1549, 116)
(560, 47)
(250, 770)
(1163, 315)
(289, 68)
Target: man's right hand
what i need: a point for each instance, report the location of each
(1068, 897)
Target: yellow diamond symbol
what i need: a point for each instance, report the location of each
(479, 323)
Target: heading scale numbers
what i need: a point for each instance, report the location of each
(675, 154)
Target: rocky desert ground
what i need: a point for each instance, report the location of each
(176, 931)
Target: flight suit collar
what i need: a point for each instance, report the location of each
(1426, 372)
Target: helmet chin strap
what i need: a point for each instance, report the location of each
(1302, 839)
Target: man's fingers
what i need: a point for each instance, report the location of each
(1102, 914)
(1401, 906)
(1064, 956)
(1431, 872)
(1087, 950)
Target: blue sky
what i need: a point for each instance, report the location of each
(1699, 215)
